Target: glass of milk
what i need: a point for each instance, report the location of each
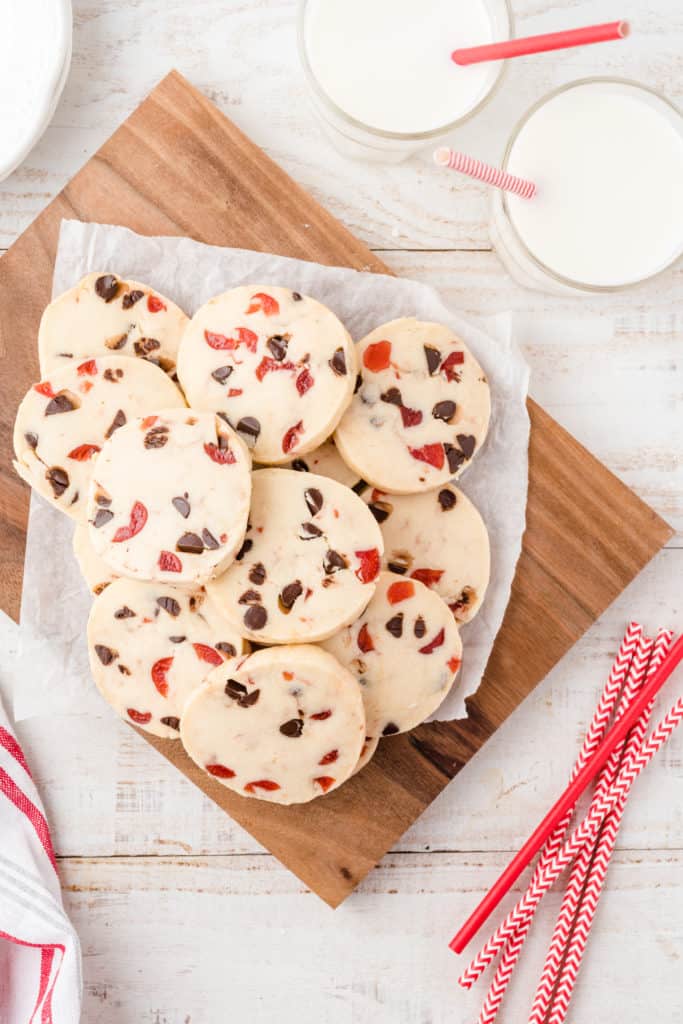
(380, 71)
(606, 156)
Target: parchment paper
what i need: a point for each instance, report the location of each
(54, 673)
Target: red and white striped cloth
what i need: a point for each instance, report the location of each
(40, 956)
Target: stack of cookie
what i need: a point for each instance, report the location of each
(349, 561)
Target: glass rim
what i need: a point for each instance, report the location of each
(554, 274)
(380, 133)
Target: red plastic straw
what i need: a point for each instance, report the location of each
(568, 799)
(542, 44)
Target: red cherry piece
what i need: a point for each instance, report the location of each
(321, 716)
(432, 454)
(291, 438)
(223, 456)
(269, 365)
(365, 641)
(139, 717)
(288, 676)
(377, 356)
(159, 670)
(329, 758)
(83, 452)
(433, 644)
(89, 368)
(454, 663)
(430, 577)
(263, 303)
(400, 591)
(148, 422)
(247, 338)
(220, 771)
(266, 784)
(234, 392)
(154, 304)
(219, 342)
(325, 781)
(452, 360)
(138, 518)
(368, 569)
(208, 654)
(44, 388)
(410, 417)
(304, 381)
(168, 562)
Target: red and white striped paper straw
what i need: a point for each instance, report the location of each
(496, 176)
(596, 731)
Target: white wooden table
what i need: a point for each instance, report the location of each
(183, 918)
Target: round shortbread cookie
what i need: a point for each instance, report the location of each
(279, 366)
(308, 564)
(169, 497)
(438, 538)
(325, 461)
(286, 724)
(94, 570)
(105, 315)
(63, 422)
(151, 645)
(405, 651)
(421, 411)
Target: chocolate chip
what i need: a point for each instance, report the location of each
(359, 384)
(250, 699)
(250, 428)
(107, 287)
(234, 689)
(60, 403)
(145, 346)
(177, 639)
(210, 542)
(255, 617)
(278, 346)
(58, 479)
(395, 625)
(447, 499)
(392, 396)
(31, 440)
(390, 729)
(381, 510)
(105, 654)
(182, 506)
(113, 376)
(222, 373)
(257, 573)
(124, 613)
(360, 487)
(117, 342)
(124, 670)
(129, 299)
(246, 547)
(444, 411)
(333, 562)
(300, 466)
(309, 531)
(400, 562)
(419, 629)
(398, 568)
(170, 605)
(314, 500)
(118, 421)
(228, 650)
(297, 296)
(467, 444)
(294, 727)
(338, 362)
(156, 437)
(289, 594)
(171, 721)
(250, 597)
(102, 517)
(102, 499)
(190, 544)
(433, 357)
(454, 457)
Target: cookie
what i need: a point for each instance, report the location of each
(64, 421)
(94, 570)
(308, 564)
(421, 411)
(405, 651)
(151, 645)
(286, 724)
(438, 538)
(169, 497)
(279, 366)
(325, 461)
(105, 315)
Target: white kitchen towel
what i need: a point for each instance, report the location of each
(40, 955)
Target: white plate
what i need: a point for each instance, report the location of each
(35, 55)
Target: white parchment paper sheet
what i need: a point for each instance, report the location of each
(54, 675)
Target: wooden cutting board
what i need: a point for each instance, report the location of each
(178, 166)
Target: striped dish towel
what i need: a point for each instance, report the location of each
(40, 956)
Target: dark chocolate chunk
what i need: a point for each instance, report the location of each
(60, 403)
(395, 625)
(433, 357)
(444, 411)
(170, 605)
(454, 457)
(381, 510)
(182, 506)
(227, 649)
(338, 362)
(446, 499)
(360, 487)
(467, 444)
(289, 594)
(102, 517)
(102, 499)
(300, 466)
(177, 639)
(31, 440)
(190, 544)
(250, 597)
(105, 654)
(255, 617)
(145, 346)
(156, 437)
(123, 669)
(250, 699)
(297, 296)
(124, 613)
(107, 287)
(118, 421)
(392, 396)
(222, 373)
(419, 629)
(398, 567)
(294, 727)
(359, 383)
(333, 562)
(171, 721)
(390, 729)
(246, 547)
(309, 531)
(250, 428)
(314, 500)
(117, 342)
(257, 573)
(129, 299)
(278, 346)
(210, 542)
(58, 479)
(234, 689)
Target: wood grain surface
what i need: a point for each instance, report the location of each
(178, 166)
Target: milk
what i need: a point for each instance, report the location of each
(607, 158)
(385, 65)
